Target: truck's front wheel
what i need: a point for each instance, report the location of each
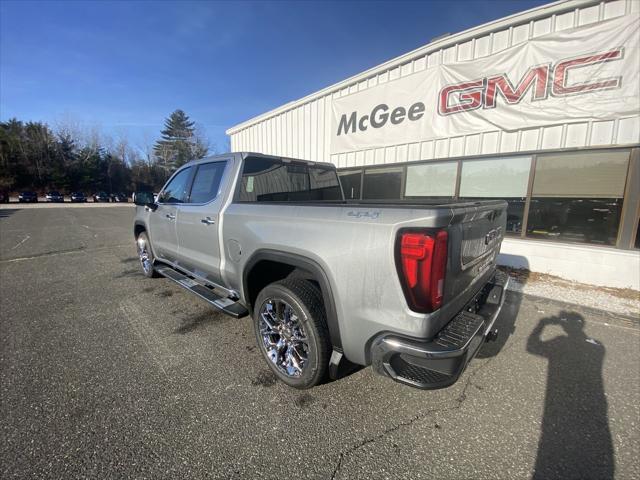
(145, 254)
(291, 330)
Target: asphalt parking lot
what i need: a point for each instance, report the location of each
(108, 374)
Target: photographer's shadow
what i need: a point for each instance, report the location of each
(575, 441)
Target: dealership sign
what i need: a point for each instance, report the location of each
(581, 74)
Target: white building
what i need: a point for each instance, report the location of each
(541, 108)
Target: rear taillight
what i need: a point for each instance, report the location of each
(422, 264)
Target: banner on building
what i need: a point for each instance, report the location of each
(585, 73)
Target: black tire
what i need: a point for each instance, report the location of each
(149, 272)
(306, 301)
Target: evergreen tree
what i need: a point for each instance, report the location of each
(33, 157)
(179, 143)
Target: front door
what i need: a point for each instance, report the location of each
(197, 223)
(162, 221)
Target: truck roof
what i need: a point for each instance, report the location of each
(244, 155)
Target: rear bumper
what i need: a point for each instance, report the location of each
(439, 362)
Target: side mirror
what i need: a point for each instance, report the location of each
(145, 199)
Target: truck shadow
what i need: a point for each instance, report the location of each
(196, 322)
(505, 324)
(518, 271)
(575, 439)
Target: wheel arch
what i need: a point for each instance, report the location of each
(138, 228)
(267, 266)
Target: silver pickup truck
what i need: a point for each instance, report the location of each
(409, 288)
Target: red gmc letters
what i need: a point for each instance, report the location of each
(542, 80)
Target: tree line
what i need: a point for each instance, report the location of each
(35, 157)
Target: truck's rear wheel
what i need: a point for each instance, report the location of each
(291, 330)
(145, 255)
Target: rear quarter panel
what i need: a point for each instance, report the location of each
(355, 248)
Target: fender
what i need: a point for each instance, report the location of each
(139, 223)
(306, 264)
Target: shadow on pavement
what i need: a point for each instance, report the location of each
(7, 212)
(575, 441)
(505, 324)
(506, 321)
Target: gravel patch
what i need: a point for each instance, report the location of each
(614, 300)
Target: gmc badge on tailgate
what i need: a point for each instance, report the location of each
(492, 235)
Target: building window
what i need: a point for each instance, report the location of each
(585, 220)
(499, 178)
(382, 184)
(431, 180)
(351, 184)
(577, 197)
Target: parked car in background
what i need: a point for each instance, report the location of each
(101, 197)
(120, 197)
(28, 197)
(4, 196)
(78, 197)
(56, 197)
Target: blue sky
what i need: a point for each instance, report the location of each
(125, 66)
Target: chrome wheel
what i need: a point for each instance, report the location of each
(144, 255)
(283, 337)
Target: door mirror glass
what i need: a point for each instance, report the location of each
(144, 198)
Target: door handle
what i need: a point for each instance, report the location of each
(170, 216)
(208, 221)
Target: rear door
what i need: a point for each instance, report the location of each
(162, 221)
(198, 222)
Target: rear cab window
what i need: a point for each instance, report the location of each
(274, 180)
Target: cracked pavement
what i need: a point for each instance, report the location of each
(107, 374)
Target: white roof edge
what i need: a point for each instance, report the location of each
(515, 19)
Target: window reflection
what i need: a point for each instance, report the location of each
(585, 220)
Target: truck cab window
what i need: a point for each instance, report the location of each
(271, 180)
(176, 190)
(206, 182)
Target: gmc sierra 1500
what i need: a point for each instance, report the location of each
(409, 288)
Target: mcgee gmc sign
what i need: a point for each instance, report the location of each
(539, 82)
(588, 73)
(542, 80)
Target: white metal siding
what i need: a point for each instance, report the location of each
(302, 129)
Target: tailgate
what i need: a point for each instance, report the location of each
(475, 235)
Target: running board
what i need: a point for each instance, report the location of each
(224, 304)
